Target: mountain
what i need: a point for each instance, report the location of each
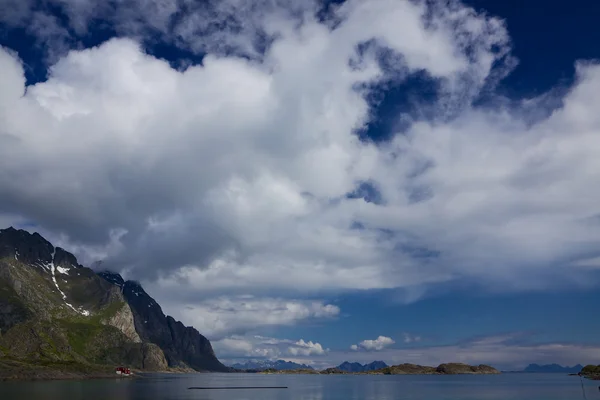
(553, 368)
(356, 367)
(410, 369)
(56, 314)
(183, 346)
(375, 365)
(279, 365)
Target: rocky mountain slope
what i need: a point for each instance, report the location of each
(56, 313)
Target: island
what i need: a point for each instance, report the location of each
(401, 369)
(591, 372)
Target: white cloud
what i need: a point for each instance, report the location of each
(377, 344)
(247, 347)
(230, 177)
(238, 347)
(303, 348)
(223, 316)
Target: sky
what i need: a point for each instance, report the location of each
(406, 181)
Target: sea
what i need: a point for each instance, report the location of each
(507, 386)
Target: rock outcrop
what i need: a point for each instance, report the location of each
(123, 321)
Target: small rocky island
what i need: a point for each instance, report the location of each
(591, 372)
(401, 369)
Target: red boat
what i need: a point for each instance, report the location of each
(123, 371)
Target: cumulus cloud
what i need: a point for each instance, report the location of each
(306, 348)
(234, 176)
(370, 345)
(223, 316)
(238, 347)
(256, 347)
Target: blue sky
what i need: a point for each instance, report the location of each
(294, 178)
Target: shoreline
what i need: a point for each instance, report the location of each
(12, 370)
(58, 376)
(370, 373)
(401, 369)
(16, 370)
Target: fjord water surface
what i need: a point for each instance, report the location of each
(509, 386)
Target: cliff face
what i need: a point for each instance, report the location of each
(53, 310)
(123, 321)
(183, 346)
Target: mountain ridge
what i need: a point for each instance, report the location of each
(403, 369)
(279, 365)
(357, 367)
(553, 368)
(54, 311)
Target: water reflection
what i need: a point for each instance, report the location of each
(308, 387)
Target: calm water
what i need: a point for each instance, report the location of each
(312, 387)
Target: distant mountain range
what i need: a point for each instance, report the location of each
(553, 368)
(357, 367)
(282, 365)
(402, 369)
(279, 365)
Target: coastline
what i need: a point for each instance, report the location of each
(591, 377)
(402, 369)
(14, 370)
(17, 370)
(591, 372)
